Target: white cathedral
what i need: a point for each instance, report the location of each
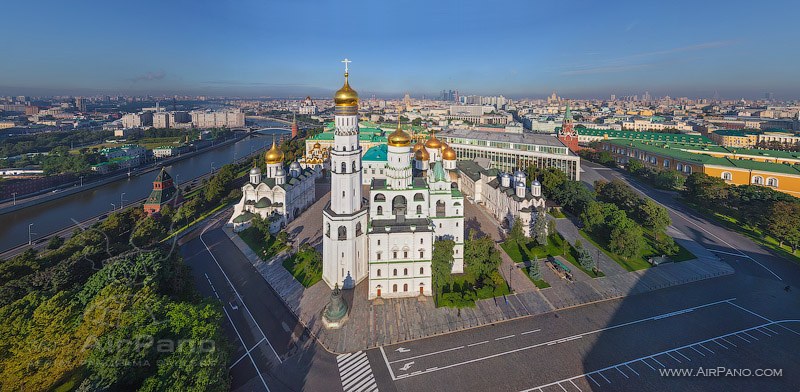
(388, 236)
(277, 196)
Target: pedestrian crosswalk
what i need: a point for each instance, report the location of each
(356, 373)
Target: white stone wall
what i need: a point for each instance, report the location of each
(397, 268)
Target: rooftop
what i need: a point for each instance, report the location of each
(654, 136)
(376, 153)
(520, 138)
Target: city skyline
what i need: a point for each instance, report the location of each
(523, 50)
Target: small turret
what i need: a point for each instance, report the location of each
(536, 188)
(519, 189)
(255, 175)
(505, 180)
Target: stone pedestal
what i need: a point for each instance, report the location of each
(334, 314)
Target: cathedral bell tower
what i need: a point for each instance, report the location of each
(567, 134)
(344, 241)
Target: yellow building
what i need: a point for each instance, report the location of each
(782, 177)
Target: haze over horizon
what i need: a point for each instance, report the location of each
(582, 50)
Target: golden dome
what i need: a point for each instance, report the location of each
(274, 155)
(317, 145)
(433, 142)
(419, 146)
(346, 96)
(422, 155)
(399, 138)
(449, 154)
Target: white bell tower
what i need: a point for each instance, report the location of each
(344, 241)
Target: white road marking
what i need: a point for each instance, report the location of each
(549, 343)
(562, 387)
(698, 351)
(631, 369)
(355, 372)
(701, 345)
(764, 332)
(740, 254)
(729, 342)
(720, 344)
(425, 355)
(740, 337)
(648, 365)
(657, 361)
(505, 337)
(621, 372)
(391, 372)
(642, 359)
(477, 344)
(237, 294)
(604, 377)
(749, 311)
(681, 354)
(676, 359)
(407, 366)
(535, 330)
(245, 354)
(248, 354)
(576, 386)
(755, 338)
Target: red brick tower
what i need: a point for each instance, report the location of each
(294, 126)
(164, 192)
(567, 134)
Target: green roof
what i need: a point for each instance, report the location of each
(244, 217)
(377, 153)
(735, 132)
(652, 136)
(703, 159)
(365, 135)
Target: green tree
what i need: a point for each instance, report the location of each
(540, 228)
(585, 259)
(534, 270)
(784, 223)
(480, 256)
(705, 190)
(552, 179)
(55, 242)
(442, 264)
(634, 165)
(517, 233)
(626, 238)
(653, 216)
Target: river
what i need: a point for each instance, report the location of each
(63, 212)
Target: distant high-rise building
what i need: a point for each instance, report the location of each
(613, 97)
(80, 104)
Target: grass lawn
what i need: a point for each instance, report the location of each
(634, 264)
(522, 253)
(255, 240)
(752, 232)
(541, 284)
(300, 266)
(461, 292)
(555, 213)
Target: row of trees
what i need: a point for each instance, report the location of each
(773, 212)
(665, 179)
(108, 309)
(481, 277)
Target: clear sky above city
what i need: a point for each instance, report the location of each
(516, 48)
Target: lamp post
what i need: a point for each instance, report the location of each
(121, 200)
(212, 167)
(81, 181)
(113, 207)
(14, 195)
(30, 234)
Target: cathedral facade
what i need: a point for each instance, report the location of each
(388, 236)
(279, 195)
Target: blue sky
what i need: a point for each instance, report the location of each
(515, 48)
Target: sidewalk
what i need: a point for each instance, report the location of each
(398, 320)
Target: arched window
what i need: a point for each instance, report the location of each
(680, 166)
(344, 167)
(379, 197)
(328, 230)
(394, 288)
(421, 270)
(772, 181)
(394, 272)
(358, 229)
(354, 167)
(727, 176)
(419, 210)
(399, 205)
(405, 271)
(378, 272)
(419, 197)
(758, 180)
(342, 233)
(687, 169)
(380, 210)
(405, 287)
(440, 208)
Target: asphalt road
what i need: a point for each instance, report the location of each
(272, 351)
(745, 321)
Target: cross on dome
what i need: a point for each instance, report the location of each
(346, 64)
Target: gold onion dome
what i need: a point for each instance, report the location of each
(433, 142)
(274, 155)
(317, 145)
(419, 146)
(399, 138)
(346, 96)
(449, 154)
(422, 155)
